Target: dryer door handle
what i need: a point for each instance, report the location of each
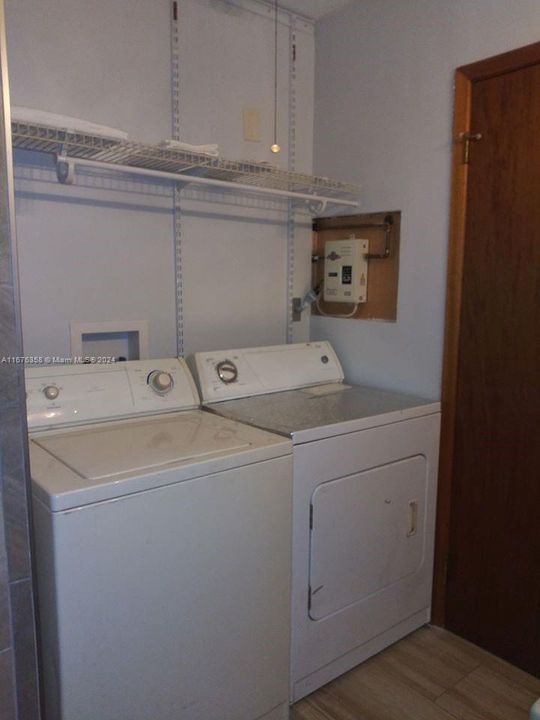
(413, 517)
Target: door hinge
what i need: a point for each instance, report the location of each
(467, 138)
(294, 53)
(311, 517)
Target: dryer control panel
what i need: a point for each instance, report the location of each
(231, 374)
(63, 395)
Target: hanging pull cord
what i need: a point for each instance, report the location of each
(275, 147)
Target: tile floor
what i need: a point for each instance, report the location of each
(430, 675)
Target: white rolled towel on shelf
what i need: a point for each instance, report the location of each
(210, 149)
(64, 122)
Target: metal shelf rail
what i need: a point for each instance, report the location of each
(73, 148)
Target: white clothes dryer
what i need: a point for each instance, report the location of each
(162, 537)
(364, 494)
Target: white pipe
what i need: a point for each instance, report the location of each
(179, 177)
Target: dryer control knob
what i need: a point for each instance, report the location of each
(160, 381)
(227, 371)
(51, 392)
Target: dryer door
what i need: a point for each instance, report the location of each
(368, 532)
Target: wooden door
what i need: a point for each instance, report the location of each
(491, 432)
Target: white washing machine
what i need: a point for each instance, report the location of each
(364, 492)
(162, 540)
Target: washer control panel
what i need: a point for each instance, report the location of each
(231, 374)
(51, 392)
(74, 394)
(160, 381)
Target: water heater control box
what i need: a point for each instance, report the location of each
(345, 270)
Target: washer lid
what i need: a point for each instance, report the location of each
(105, 451)
(86, 465)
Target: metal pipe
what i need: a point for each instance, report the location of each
(179, 177)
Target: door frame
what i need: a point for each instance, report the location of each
(465, 77)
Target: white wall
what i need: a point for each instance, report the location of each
(85, 254)
(102, 249)
(235, 256)
(383, 113)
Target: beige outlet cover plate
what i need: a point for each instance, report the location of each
(252, 124)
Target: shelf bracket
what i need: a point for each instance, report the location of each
(317, 207)
(65, 169)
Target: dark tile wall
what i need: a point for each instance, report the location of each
(18, 657)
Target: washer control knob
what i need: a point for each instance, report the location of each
(51, 392)
(160, 381)
(227, 371)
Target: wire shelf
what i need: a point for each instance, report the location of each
(127, 154)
